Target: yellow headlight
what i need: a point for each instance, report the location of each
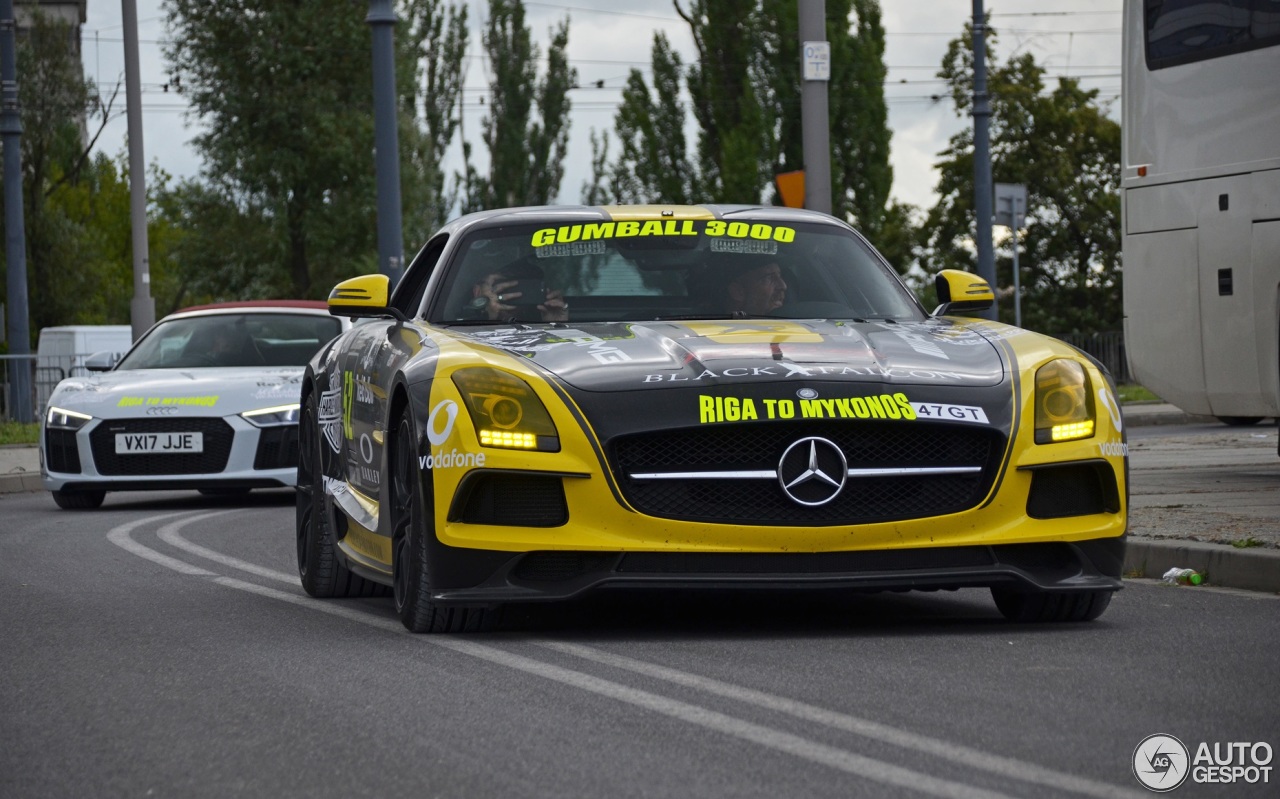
(1064, 402)
(505, 411)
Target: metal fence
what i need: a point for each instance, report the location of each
(46, 373)
(1106, 347)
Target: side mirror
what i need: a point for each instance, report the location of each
(961, 293)
(363, 297)
(102, 361)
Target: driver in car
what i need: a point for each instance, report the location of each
(757, 290)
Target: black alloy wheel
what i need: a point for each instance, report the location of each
(319, 566)
(411, 522)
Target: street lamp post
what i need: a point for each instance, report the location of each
(382, 19)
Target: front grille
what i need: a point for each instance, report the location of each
(510, 500)
(277, 448)
(759, 448)
(60, 451)
(217, 447)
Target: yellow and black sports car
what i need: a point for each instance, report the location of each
(556, 400)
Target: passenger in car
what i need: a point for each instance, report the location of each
(503, 296)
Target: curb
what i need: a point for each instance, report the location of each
(20, 481)
(1253, 569)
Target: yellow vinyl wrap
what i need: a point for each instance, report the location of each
(597, 520)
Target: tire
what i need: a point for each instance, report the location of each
(79, 500)
(320, 569)
(1043, 606)
(411, 526)
(1240, 421)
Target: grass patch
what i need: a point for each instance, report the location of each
(1247, 543)
(1135, 393)
(19, 432)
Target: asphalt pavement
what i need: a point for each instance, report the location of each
(1220, 516)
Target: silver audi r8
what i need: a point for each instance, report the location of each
(207, 399)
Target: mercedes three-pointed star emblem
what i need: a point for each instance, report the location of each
(812, 471)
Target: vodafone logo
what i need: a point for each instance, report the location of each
(440, 422)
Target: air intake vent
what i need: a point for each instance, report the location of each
(510, 500)
(1073, 489)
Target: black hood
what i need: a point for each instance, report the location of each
(630, 356)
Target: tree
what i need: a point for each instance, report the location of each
(1061, 144)
(526, 154)
(861, 176)
(284, 94)
(745, 94)
(437, 42)
(653, 165)
(725, 95)
(71, 277)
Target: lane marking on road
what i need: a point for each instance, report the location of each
(785, 742)
(170, 535)
(996, 764)
(119, 536)
(777, 740)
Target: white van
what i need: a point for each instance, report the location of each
(61, 352)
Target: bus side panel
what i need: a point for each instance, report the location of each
(1227, 303)
(1266, 294)
(1162, 323)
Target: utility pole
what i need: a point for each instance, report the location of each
(815, 125)
(15, 236)
(142, 309)
(982, 155)
(382, 19)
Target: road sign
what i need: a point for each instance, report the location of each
(816, 61)
(1011, 204)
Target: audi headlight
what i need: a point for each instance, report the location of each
(63, 419)
(505, 411)
(273, 416)
(1064, 402)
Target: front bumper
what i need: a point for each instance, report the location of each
(255, 458)
(1090, 565)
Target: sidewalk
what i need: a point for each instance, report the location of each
(1254, 568)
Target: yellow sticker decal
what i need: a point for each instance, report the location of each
(591, 231)
(712, 409)
(348, 393)
(205, 402)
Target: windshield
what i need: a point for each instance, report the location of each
(598, 271)
(232, 339)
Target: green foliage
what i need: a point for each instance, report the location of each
(68, 198)
(745, 96)
(1132, 392)
(653, 165)
(19, 433)
(437, 42)
(1063, 147)
(725, 94)
(283, 92)
(526, 151)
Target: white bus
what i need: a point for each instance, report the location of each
(1201, 203)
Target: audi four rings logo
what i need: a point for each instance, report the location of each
(161, 410)
(812, 471)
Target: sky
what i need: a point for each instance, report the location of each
(1079, 38)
